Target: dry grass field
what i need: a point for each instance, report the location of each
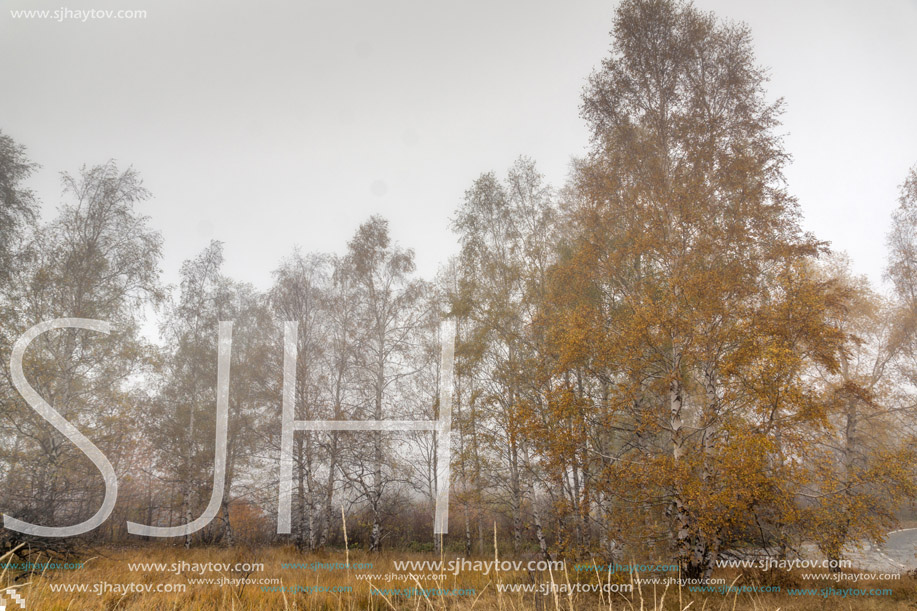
(110, 579)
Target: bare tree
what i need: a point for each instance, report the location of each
(388, 297)
(298, 295)
(98, 260)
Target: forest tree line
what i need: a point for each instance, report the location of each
(653, 360)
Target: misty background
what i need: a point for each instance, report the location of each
(276, 124)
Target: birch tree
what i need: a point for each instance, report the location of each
(686, 249)
(389, 317)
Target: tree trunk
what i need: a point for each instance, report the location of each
(375, 539)
(516, 488)
(228, 539)
(681, 519)
(329, 493)
(187, 484)
(301, 510)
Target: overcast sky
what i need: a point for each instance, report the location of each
(271, 124)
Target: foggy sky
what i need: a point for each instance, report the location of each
(273, 124)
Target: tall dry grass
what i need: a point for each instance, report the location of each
(111, 566)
